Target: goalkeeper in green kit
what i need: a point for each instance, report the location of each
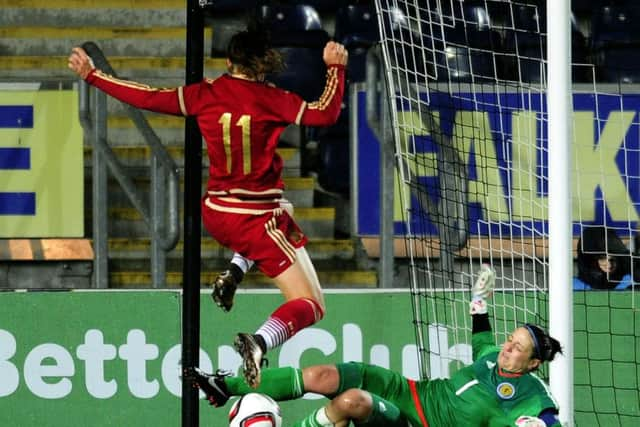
(498, 389)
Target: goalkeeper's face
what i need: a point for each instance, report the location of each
(517, 353)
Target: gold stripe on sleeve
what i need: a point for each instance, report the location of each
(329, 91)
(300, 112)
(130, 84)
(183, 107)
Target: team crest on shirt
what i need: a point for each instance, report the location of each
(505, 390)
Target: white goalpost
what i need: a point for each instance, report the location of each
(560, 143)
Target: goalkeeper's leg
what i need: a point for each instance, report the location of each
(359, 406)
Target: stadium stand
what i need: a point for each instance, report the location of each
(37, 37)
(296, 31)
(356, 27)
(615, 39)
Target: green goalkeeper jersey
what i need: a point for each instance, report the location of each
(481, 395)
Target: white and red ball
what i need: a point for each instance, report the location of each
(255, 410)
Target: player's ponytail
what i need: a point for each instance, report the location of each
(251, 53)
(545, 347)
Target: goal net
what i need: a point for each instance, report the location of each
(467, 82)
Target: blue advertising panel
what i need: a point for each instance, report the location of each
(501, 139)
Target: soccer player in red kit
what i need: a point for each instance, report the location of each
(241, 118)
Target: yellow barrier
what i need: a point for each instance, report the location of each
(41, 165)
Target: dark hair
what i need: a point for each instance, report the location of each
(250, 50)
(597, 242)
(545, 346)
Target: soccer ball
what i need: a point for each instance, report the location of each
(255, 410)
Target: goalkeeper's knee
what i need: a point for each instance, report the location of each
(383, 413)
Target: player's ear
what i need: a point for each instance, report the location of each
(534, 364)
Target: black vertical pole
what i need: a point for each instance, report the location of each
(192, 194)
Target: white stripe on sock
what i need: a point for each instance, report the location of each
(322, 419)
(243, 263)
(274, 331)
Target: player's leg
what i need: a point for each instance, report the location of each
(226, 283)
(357, 406)
(283, 383)
(364, 408)
(304, 306)
(384, 383)
(281, 255)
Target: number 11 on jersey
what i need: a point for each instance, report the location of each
(245, 123)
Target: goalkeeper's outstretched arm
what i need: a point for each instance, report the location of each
(482, 338)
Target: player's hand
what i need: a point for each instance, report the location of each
(335, 53)
(485, 282)
(80, 62)
(526, 421)
(482, 288)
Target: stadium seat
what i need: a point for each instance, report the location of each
(333, 157)
(357, 24)
(525, 45)
(615, 40)
(285, 18)
(293, 25)
(305, 72)
(523, 56)
(469, 44)
(618, 64)
(615, 24)
(357, 28)
(323, 6)
(466, 55)
(529, 17)
(231, 6)
(297, 32)
(475, 14)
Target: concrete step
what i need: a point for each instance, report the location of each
(316, 222)
(139, 156)
(139, 68)
(73, 13)
(121, 41)
(328, 279)
(298, 190)
(170, 129)
(104, 17)
(93, 16)
(121, 131)
(127, 254)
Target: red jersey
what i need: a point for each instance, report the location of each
(240, 121)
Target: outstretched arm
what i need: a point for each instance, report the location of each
(325, 111)
(482, 340)
(138, 95)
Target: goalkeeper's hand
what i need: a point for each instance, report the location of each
(482, 289)
(526, 421)
(485, 282)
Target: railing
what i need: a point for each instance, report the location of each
(379, 119)
(160, 213)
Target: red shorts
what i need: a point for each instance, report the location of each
(260, 231)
